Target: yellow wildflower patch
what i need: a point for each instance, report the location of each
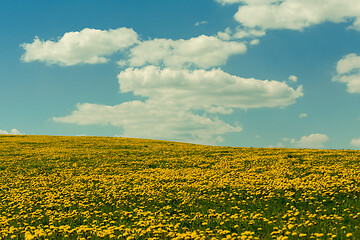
(121, 188)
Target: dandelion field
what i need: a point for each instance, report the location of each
(120, 188)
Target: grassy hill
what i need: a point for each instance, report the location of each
(121, 188)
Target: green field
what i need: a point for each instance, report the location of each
(121, 188)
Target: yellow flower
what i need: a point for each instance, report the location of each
(349, 235)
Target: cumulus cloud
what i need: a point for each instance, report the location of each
(152, 119)
(348, 72)
(88, 46)
(240, 33)
(355, 142)
(255, 17)
(203, 51)
(348, 64)
(312, 141)
(182, 104)
(206, 89)
(296, 14)
(225, 35)
(303, 115)
(12, 131)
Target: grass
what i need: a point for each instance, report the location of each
(122, 188)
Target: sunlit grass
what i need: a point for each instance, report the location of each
(107, 188)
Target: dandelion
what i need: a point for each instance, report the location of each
(349, 235)
(97, 187)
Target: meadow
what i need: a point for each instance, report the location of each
(120, 188)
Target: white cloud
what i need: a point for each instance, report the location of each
(225, 2)
(203, 51)
(303, 115)
(12, 131)
(87, 46)
(293, 78)
(152, 119)
(15, 131)
(200, 23)
(240, 33)
(181, 104)
(355, 142)
(202, 89)
(312, 141)
(257, 16)
(296, 14)
(248, 33)
(348, 64)
(254, 42)
(225, 35)
(348, 72)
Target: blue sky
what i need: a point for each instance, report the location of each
(253, 73)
